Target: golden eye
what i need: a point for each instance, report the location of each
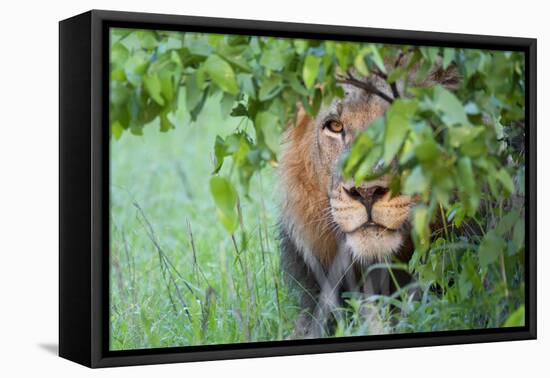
(334, 126)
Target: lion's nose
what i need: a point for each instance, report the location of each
(368, 193)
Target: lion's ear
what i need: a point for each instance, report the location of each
(296, 128)
(302, 117)
(448, 77)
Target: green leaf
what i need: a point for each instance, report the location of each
(377, 58)
(226, 104)
(316, 103)
(118, 74)
(507, 222)
(430, 53)
(165, 123)
(362, 143)
(194, 113)
(472, 271)
(499, 129)
(119, 54)
(464, 284)
(517, 318)
(416, 182)
(311, 70)
(174, 57)
(239, 111)
(342, 52)
(300, 45)
(506, 180)
(137, 129)
(296, 85)
(467, 184)
(225, 198)
(116, 130)
(221, 73)
(396, 74)
(366, 167)
(451, 108)
(448, 56)
(471, 108)
(215, 39)
(421, 227)
(200, 76)
(463, 134)
(246, 84)
(427, 151)
(146, 325)
(359, 62)
(518, 236)
(268, 123)
(147, 39)
(166, 85)
(490, 248)
(198, 45)
(456, 214)
(240, 151)
(270, 88)
(220, 152)
(152, 86)
(276, 57)
(135, 67)
(193, 93)
(466, 174)
(399, 117)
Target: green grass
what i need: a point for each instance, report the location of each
(177, 277)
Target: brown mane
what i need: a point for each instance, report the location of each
(304, 198)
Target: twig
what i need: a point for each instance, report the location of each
(193, 249)
(262, 248)
(384, 77)
(165, 265)
(118, 272)
(206, 310)
(130, 263)
(380, 74)
(365, 85)
(398, 60)
(184, 180)
(393, 85)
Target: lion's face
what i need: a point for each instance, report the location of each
(321, 213)
(371, 222)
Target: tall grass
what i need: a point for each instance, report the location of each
(177, 277)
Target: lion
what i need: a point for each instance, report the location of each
(331, 230)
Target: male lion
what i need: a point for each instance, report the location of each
(330, 229)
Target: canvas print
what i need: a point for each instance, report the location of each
(269, 189)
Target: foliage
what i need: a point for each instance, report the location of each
(460, 152)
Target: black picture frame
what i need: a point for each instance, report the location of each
(84, 190)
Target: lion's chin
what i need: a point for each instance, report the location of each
(373, 244)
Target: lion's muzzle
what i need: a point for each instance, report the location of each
(370, 217)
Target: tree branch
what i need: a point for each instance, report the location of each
(365, 85)
(394, 90)
(393, 85)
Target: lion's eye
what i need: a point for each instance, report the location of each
(334, 126)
